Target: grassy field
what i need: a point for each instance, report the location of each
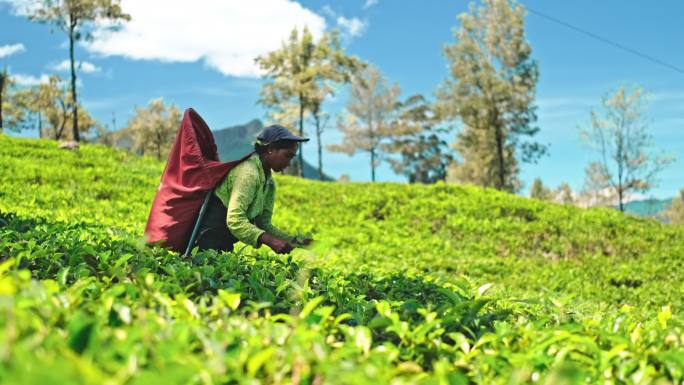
(405, 284)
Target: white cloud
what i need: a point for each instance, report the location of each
(370, 3)
(353, 27)
(11, 49)
(84, 66)
(349, 27)
(329, 11)
(29, 80)
(602, 197)
(22, 7)
(225, 34)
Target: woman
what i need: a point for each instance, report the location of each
(242, 204)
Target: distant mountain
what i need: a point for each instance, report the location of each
(238, 141)
(647, 207)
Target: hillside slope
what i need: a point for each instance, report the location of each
(600, 257)
(415, 284)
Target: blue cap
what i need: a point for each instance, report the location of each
(277, 132)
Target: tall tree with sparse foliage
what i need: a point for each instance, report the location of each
(300, 76)
(369, 117)
(50, 104)
(491, 89)
(321, 120)
(76, 18)
(424, 154)
(153, 129)
(620, 135)
(290, 79)
(332, 67)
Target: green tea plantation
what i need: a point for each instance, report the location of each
(404, 284)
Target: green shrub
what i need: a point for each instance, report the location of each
(405, 284)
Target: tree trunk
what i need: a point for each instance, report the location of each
(500, 158)
(620, 160)
(423, 177)
(372, 164)
(371, 137)
(300, 166)
(622, 207)
(320, 146)
(72, 30)
(3, 76)
(159, 156)
(40, 125)
(620, 194)
(58, 133)
(65, 116)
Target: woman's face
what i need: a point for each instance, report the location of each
(280, 159)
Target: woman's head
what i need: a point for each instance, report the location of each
(278, 155)
(276, 146)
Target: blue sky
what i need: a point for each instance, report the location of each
(200, 56)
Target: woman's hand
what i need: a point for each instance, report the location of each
(303, 242)
(278, 245)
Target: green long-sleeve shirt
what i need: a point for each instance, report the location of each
(249, 197)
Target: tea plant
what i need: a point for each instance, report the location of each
(404, 285)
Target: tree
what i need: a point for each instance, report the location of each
(153, 129)
(423, 153)
(320, 122)
(331, 67)
(299, 76)
(290, 76)
(12, 116)
(539, 191)
(596, 190)
(76, 18)
(564, 194)
(5, 84)
(674, 212)
(621, 138)
(369, 117)
(51, 104)
(104, 136)
(491, 89)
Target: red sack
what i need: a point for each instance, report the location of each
(192, 170)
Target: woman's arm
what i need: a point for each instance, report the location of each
(264, 220)
(245, 183)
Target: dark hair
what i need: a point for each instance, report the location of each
(278, 145)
